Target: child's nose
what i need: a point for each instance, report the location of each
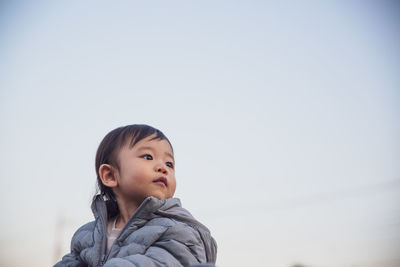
(161, 168)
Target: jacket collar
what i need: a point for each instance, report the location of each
(147, 210)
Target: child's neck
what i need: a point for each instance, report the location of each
(125, 212)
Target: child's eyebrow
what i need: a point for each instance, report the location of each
(145, 148)
(169, 154)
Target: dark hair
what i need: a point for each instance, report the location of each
(107, 153)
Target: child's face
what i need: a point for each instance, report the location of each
(146, 169)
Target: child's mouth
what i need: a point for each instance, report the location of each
(161, 180)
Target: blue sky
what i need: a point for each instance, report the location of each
(284, 119)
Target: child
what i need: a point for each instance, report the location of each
(137, 222)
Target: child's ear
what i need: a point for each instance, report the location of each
(107, 175)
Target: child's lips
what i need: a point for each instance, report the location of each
(161, 180)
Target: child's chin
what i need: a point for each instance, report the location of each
(162, 196)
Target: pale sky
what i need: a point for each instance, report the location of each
(284, 118)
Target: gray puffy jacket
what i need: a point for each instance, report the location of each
(159, 233)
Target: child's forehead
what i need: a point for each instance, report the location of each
(150, 142)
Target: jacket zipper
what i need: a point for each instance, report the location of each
(104, 241)
(103, 260)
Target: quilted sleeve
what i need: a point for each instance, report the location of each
(70, 260)
(78, 243)
(180, 245)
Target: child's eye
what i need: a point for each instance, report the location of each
(147, 156)
(169, 164)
